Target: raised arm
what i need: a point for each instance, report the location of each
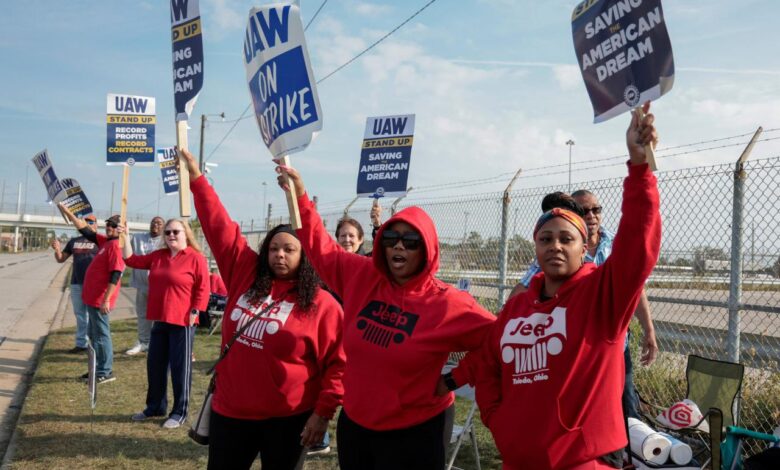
(59, 255)
(332, 263)
(638, 239)
(222, 234)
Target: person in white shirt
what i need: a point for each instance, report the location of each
(143, 244)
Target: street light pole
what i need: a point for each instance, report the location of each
(570, 143)
(265, 187)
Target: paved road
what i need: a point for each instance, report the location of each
(23, 278)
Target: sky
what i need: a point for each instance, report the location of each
(494, 86)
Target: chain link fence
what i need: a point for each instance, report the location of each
(695, 306)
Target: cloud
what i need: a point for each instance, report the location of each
(567, 76)
(225, 17)
(371, 9)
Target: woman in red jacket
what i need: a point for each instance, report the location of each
(178, 290)
(280, 383)
(400, 324)
(550, 376)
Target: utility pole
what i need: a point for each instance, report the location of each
(570, 143)
(111, 210)
(465, 225)
(26, 181)
(201, 163)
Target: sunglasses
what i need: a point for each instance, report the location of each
(595, 209)
(90, 222)
(410, 240)
(172, 232)
(111, 225)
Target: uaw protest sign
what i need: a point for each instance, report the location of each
(624, 53)
(45, 169)
(73, 197)
(130, 124)
(187, 56)
(170, 177)
(385, 156)
(280, 79)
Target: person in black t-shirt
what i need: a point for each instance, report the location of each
(82, 251)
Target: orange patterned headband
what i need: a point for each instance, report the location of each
(566, 214)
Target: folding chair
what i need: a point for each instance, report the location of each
(731, 451)
(715, 387)
(461, 432)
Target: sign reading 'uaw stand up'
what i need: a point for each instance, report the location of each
(130, 130)
(170, 177)
(187, 56)
(385, 156)
(624, 53)
(280, 79)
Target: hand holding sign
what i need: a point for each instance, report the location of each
(281, 84)
(641, 136)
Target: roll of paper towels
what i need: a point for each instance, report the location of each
(647, 443)
(681, 453)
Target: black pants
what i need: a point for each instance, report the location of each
(170, 349)
(235, 443)
(419, 447)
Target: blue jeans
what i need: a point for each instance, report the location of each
(82, 320)
(630, 399)
(100, 336)
(144, 325)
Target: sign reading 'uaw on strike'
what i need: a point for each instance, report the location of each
(280, 79)
(385, 156)
(130, 121)
(187, 56)
(170, 177)
(624, 53)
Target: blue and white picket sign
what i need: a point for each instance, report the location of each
(187, 56)
(280, 79)
(130, 124)
(624, 53)
(45, 169)
(385, 156)
(166, 157)
(73, 197)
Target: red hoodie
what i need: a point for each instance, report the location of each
(176, 285)
(217, 286)
(397, 337)
(552, 372)
(289, 361)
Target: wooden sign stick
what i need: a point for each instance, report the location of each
(184, 174)
(649, 150)
(292, 198)
(123, 205)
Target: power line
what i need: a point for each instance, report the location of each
(228, 132)
(345, 64)
(315, 15)
(503, 176)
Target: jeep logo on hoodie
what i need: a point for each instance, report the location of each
(381, 322)
(528, 341)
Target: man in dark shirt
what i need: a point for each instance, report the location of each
(83, 251)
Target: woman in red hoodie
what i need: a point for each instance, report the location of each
(550, 377)
(178, 291)
(280, 383)
(400, 324)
